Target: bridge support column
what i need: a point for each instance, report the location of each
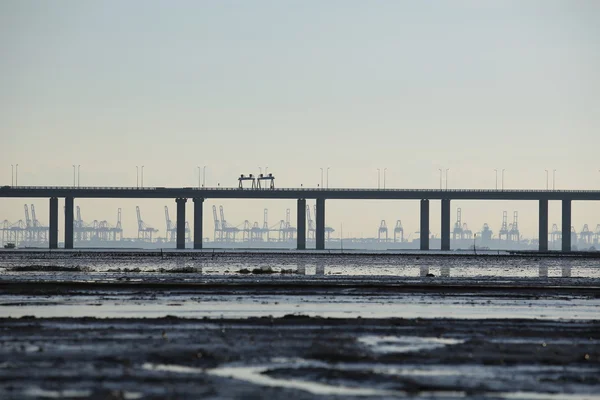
(424, 231)
(53, 234)
(320, 233)
(445, 224)
(198, 205)
(180, 223)
(69, 222)
(543, 226)
(301, 224)
(566, 225)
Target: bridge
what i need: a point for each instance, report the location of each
(198, 195)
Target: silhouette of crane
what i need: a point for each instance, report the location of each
(145, 231)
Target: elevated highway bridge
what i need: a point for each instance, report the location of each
(198, 195)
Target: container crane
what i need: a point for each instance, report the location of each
(117, 231)
(265, 228)
(383, 230)
(503, 232)
(466, 232)
(514, 234)
(311, 224)
(246, 231)
(586, 236)
(555, 234)
(171, 229)
(218, 231)
(290, 230)
(486, 233)
(398, 231)
(40, 232)
(229, 230)
(145, 231)
(457, 232)
(328, 229)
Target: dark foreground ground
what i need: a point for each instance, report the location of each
(293, 326)
(297, 357)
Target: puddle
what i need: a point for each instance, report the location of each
(57, 394)
(347, 306)
(405, 344)
(255, 375)
(544, 396)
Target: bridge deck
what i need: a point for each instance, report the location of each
(294, 193)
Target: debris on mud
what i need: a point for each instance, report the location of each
(181, 270)
(125, 270)
(258, 271)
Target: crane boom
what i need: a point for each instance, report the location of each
(27, 219)
(139, 218)
(167, 218)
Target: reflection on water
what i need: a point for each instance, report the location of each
(61, 268)
(405, 344)
(445, 271)
(320, 270)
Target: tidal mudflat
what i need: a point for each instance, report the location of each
(82, 325)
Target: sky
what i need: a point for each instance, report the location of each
(294, 86)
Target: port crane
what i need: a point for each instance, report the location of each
(145, 231)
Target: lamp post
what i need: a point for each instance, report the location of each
(199, 176)
(378, 178)
(447, 169)
(328, 177)
(321, 178)
(204, 176)
(496, 178)
(142, 181)
(12, 175)
(16, 174)
(137, 177)
(546, 179)
(385, 169)
(266, 170)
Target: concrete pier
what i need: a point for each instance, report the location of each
(320, 228)
(181, 222)
(445, 224)
(424, 230)
(69, 222)
(53, 233)
(566, 225)
(198, 209)
(543, 226)
(301, 225)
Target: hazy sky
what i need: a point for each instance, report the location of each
(411, 86)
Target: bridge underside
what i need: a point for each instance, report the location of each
(566, 233)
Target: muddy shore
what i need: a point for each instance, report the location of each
(341, 358)
(253, 326)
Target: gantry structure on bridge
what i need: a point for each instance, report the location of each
(320, 195)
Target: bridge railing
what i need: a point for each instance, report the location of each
(301, 189)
